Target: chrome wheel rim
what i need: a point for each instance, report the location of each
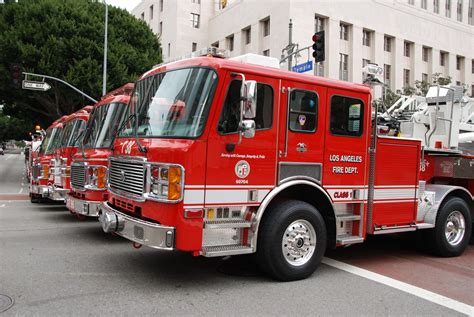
(455, 228)
(299, 242)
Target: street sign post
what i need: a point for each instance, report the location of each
(302, 68)
(35, 85)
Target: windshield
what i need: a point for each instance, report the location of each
(71, 131)
(50, 141)
(103, 125)
(172, 104)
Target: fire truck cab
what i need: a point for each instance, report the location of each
(225, 157)
(89, 166)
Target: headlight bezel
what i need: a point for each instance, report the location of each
(158, 184)
(94, 175)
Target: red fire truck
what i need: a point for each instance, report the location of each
(225, 157)
(89, 166)
(40, 169)
(74, 127)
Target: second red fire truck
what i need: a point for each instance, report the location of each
(225, 157)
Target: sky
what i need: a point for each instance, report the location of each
(125, 4)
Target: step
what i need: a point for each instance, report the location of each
(346, 240)
(224, 250)
(222, 224)
(347, 217)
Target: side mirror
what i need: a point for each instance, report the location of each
(248, 129)
(249, 99)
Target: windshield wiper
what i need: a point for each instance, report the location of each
(147, 93)
(121, 128)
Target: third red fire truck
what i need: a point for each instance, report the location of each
(224, 157)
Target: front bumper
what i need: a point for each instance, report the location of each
(57, 193)
(143, 232)
(42, 190)
(83, 207)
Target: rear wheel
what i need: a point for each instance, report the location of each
(451, 235)
(35, 198)
(291, 241)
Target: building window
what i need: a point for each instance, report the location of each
(347, 116)
(161, 5)
(196, 1)
(459, 10)
(343, 66)
(365, 62)
(448, 8)
(424, 77)
(318, 24)
(425, 54)
(161, 28)
(169, 49)
(266, 26)
(230, 42)
(344, 32)
(195, 20)
(303, 111)
(266, 53)
(194, 47)
(470, 13)
(436, 6)
(387, 71)
(215, 44)
(406, 77)
(151, 12)
(411, 2)
(424, 4)
(247, 35)
(406, 48)
(442, 58)
(459, 62)
(230, 115)
(142, 16)
(387, 43)
(366, 37)
(472, 90)
(472, 66)
(458, 83)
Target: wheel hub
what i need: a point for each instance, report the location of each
(299, 242)
(455, 228)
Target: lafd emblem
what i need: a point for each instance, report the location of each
(242, 169)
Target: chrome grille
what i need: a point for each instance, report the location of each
(78, 176)
(127, 177)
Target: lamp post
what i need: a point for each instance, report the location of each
(104, 79)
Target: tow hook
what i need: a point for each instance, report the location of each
(137, 245)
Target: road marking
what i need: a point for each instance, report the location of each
(21, 190)
(2, 205)
(404, 287)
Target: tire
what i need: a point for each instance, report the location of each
(452, 232)
(285, 231)
(34, 199)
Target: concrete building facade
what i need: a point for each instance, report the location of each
(411, 39)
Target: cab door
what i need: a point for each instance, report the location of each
(302, 126)
(242, 174)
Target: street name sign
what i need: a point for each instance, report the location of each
(301, 68)
(35, 85)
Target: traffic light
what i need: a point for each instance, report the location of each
(318, 47)
(15, 70)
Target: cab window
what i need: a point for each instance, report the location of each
(303, 111)
(347, 116)
(230, 116)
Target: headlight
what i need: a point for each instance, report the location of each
(166, 182)
(96, 177)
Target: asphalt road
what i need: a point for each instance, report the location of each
(52, 264)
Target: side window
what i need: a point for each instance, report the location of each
(303, 111)
(347, 116)
(230, 116)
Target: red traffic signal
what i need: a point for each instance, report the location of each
(15, 70)
(318, 47)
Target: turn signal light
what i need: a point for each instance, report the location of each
(45, 171)
(101, 176)
(174, 191)
(174, 175)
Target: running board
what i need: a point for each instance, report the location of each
(346, 240)
(394, 229)
(219, 224)
(224, 250)
(347, 217)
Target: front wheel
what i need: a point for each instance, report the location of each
(451, 235)
(291, 241)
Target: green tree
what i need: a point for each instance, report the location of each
(64, 39)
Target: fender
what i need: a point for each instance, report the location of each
(432, 198)
(274, 193)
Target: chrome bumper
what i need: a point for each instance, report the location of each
(42, 190)
(139, 231)
(57, 194)
(83, 207)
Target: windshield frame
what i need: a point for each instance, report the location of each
(133, 110)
